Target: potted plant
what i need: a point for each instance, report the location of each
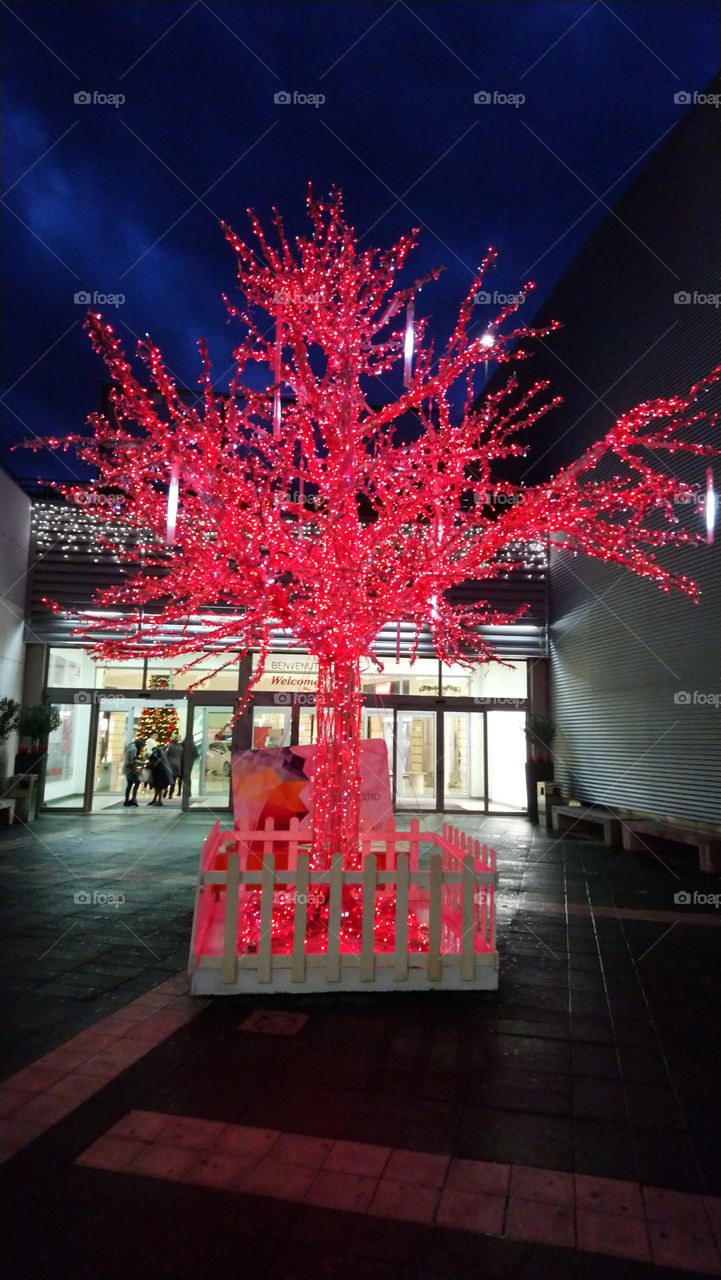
(8, 715)
(540, 730)
(34, 725)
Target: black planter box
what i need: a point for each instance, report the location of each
(536, 771)
(30, 761)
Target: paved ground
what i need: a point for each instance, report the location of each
(597, 1058)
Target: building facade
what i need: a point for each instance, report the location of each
(454, 735)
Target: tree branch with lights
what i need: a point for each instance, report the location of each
(301, 500)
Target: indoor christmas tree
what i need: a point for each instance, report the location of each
(331, 513)
(158, 723)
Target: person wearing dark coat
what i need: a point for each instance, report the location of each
(161, 774)
(174, 753)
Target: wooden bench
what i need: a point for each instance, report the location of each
(569, 816)
(636, 837)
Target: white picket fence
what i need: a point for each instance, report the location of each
(454, 895)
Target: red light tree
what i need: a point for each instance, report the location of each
(336, 517)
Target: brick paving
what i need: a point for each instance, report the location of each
(566, 1125)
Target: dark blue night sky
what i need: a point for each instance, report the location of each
(126, 199)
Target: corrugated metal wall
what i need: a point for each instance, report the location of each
(622, 657)
(622, 653)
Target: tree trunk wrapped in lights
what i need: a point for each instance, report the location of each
(339, 511)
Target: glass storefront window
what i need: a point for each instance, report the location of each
(75, 669)
(271, 728)
(67, 760)
(166, 669)
(400, 676)
(486, 680)
(125, 675)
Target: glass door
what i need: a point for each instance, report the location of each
(212, 754)
(377, 722)
(506, 761)
(307, 726)
(120, 722)
(463, 760)
(67, 759)
(415, 760)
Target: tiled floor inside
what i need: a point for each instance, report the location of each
(566, 1125)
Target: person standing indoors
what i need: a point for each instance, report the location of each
(132, 763)
(161, 774)
(174, 753)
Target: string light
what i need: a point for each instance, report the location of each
(387, 521)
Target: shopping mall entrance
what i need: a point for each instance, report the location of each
(465, 759)
(85, 767)
(454, 736)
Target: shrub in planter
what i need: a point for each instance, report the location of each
(8, 716)
(540, 730)
(35, 723)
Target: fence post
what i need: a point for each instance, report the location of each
(414, 844)
(301, 917)
(269, 829)
(468, 918)
(229, 972)
(492, 900)
(265, 940)
(400, 965)
(293, 826)
(435, 966)
(367, 958)
(332, 966)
